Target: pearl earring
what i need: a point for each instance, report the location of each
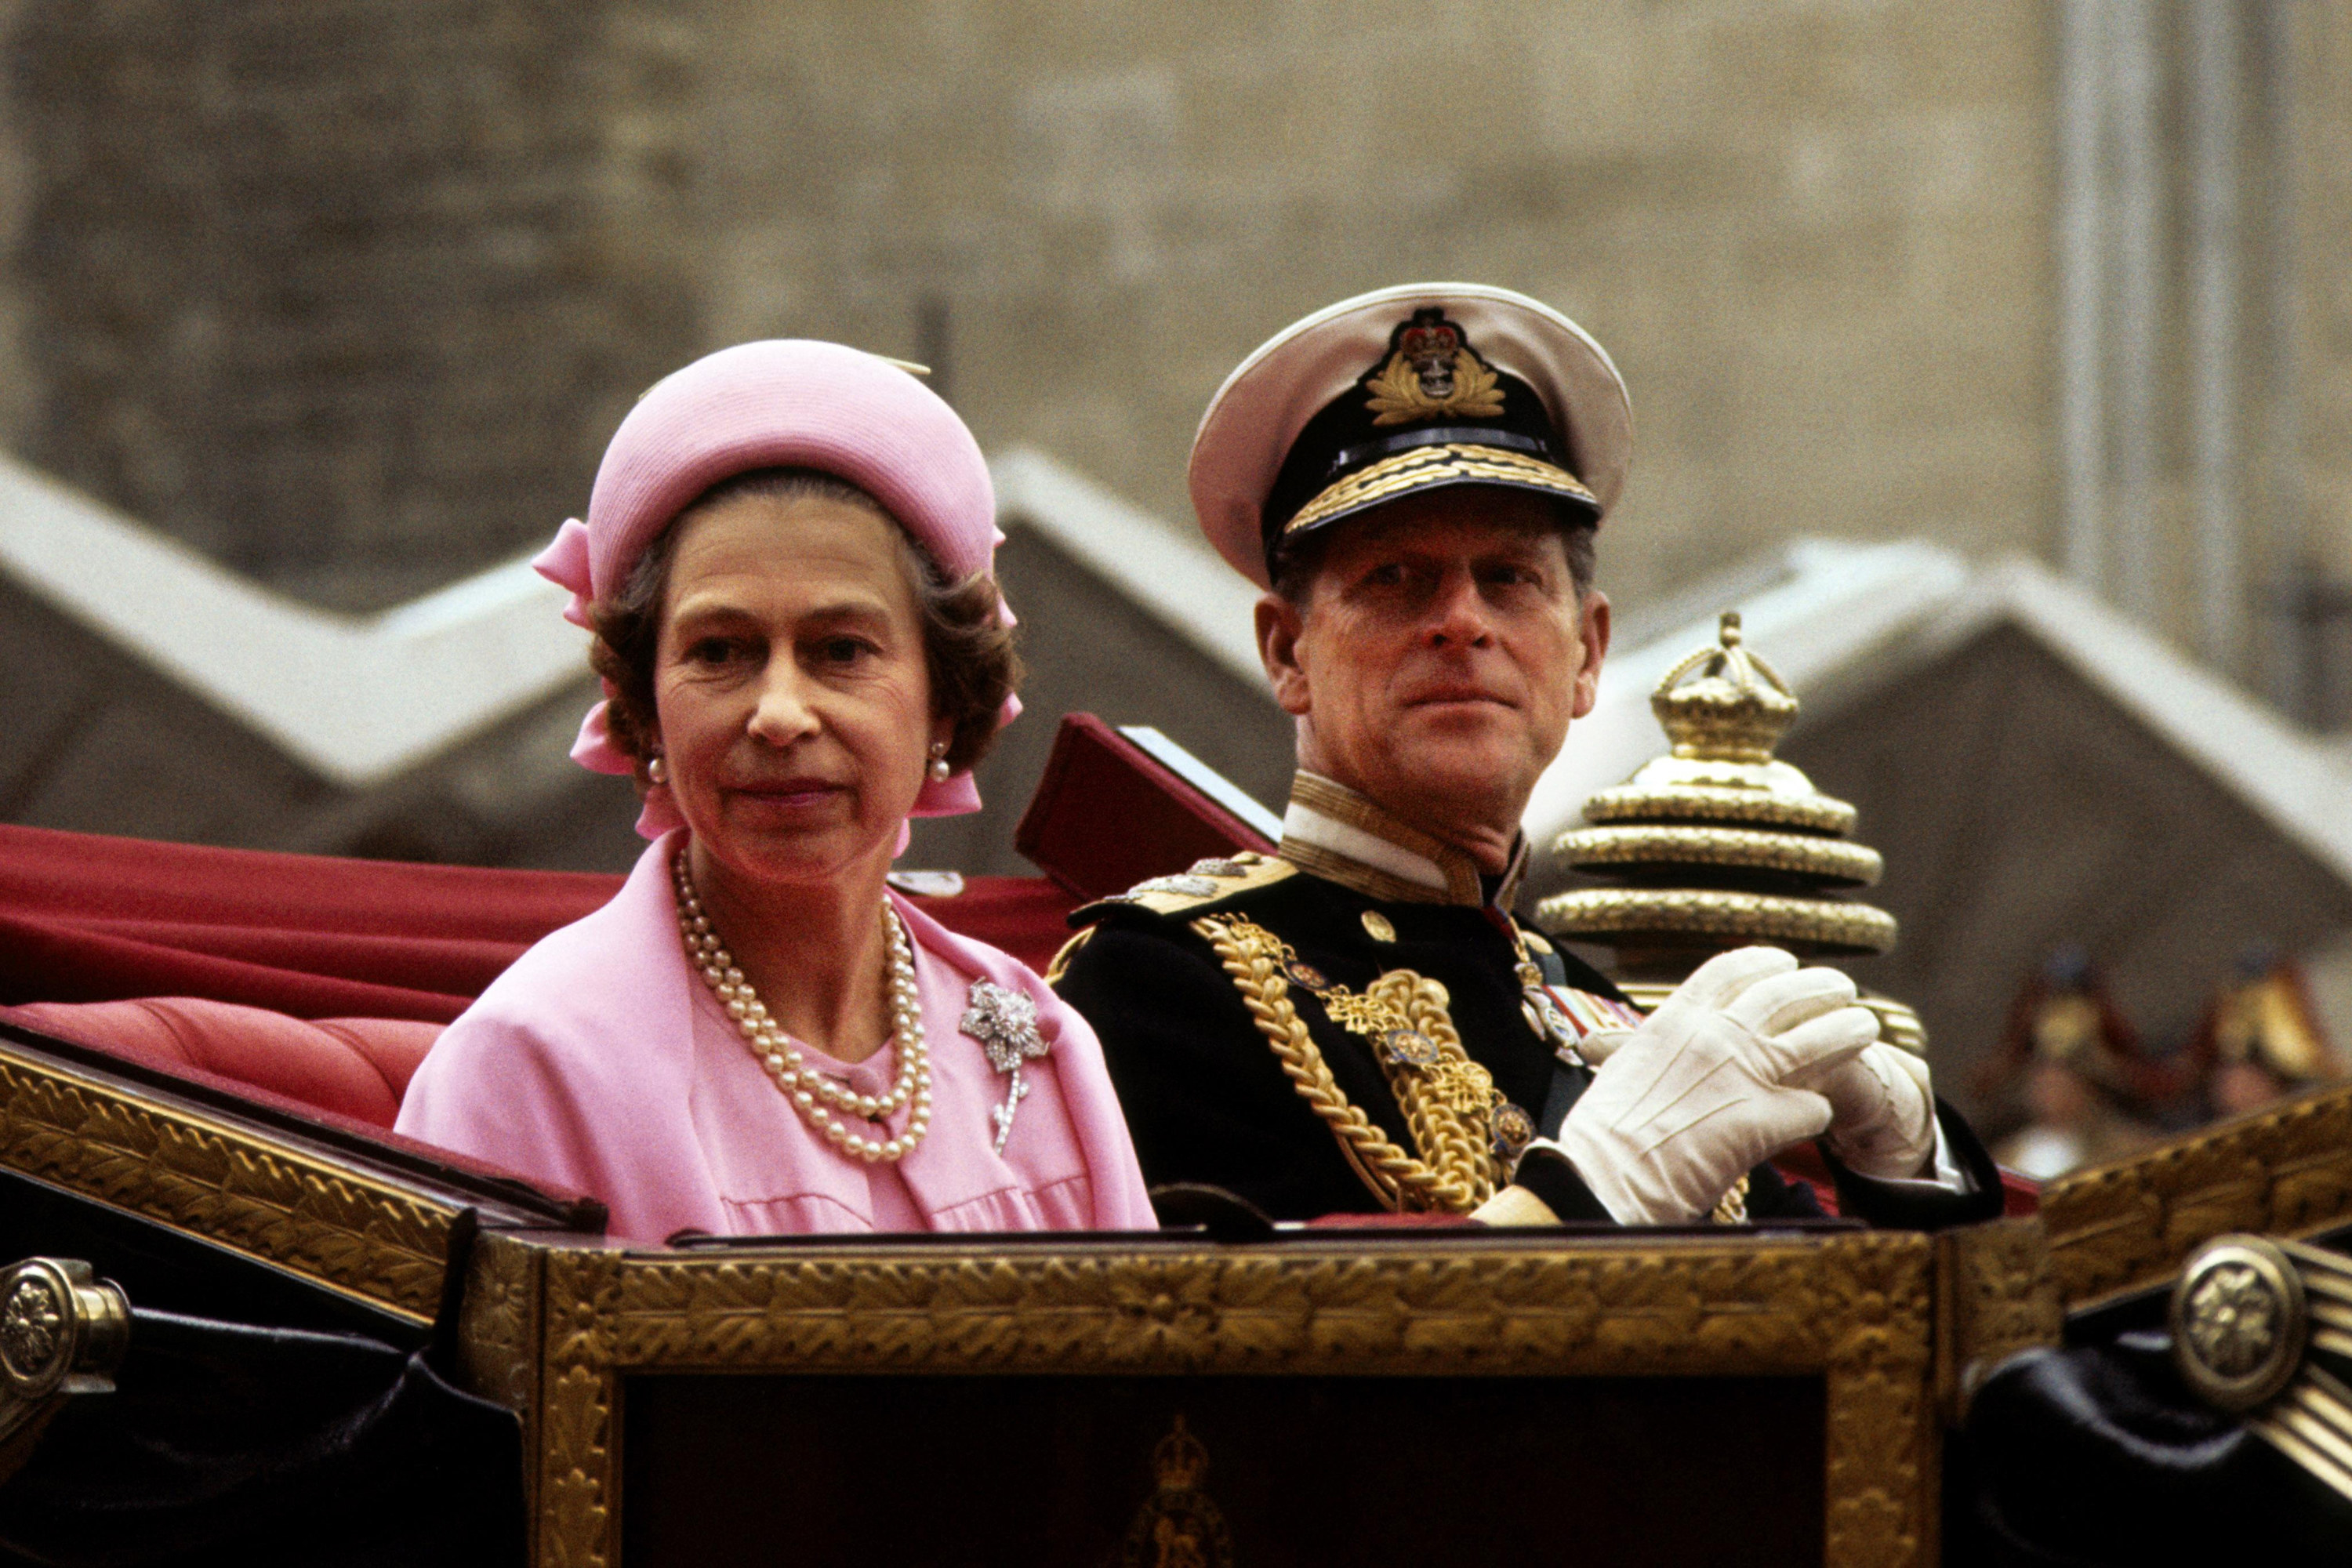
(939, 769)
(657, 770)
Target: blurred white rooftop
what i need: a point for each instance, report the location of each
(356, 698)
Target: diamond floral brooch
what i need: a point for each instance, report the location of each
(1005, 1022)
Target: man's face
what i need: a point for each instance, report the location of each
(1438, 658)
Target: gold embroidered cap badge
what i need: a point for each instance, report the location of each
(1430, 374)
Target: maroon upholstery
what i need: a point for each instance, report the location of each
(356, 1067)
(91, 919)
(1107, 815)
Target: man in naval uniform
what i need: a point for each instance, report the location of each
(1356, 1023)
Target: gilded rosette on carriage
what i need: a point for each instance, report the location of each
(1718, 844)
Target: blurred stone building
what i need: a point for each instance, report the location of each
(349, 295)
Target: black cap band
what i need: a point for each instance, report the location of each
(1432, 412)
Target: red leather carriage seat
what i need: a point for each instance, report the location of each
(357, 1068)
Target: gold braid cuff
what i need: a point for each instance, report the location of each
(1454, 1172)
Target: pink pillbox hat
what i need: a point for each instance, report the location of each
(786, 403)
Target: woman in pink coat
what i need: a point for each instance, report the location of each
(788, 568)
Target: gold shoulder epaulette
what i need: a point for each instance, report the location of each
(1204, 882)
(1069, 951)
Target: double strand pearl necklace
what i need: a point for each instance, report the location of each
(815, 1095)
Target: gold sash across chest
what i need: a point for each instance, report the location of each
(1461, 1125)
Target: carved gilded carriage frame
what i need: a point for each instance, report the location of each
(379, 1240)
(2127, 1226)
(1853, 1307)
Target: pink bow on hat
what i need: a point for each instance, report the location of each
(784, 403)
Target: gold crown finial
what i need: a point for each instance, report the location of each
(1718, 842)
(1724, 704)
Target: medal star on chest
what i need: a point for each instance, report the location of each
(1453, 1081)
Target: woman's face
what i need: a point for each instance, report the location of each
(791, 686)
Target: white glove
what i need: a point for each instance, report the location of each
(1882, 1112)
(1686, 1104)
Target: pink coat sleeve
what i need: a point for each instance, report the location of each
(574, 1069)
(488, 1089)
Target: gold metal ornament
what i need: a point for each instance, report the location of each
(2239, 1321)
(290, 1203)
(1454, 461)
(1761, 843)
(1855, 1308)
(1832, 861)
(2117, 1229)
(2245, 1317)
(1406, 392)
(1718, 844)
(1377, 926)
(63, 1331)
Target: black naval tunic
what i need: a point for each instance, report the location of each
(1207, 1099)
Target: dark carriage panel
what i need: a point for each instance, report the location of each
(1044, 1472)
